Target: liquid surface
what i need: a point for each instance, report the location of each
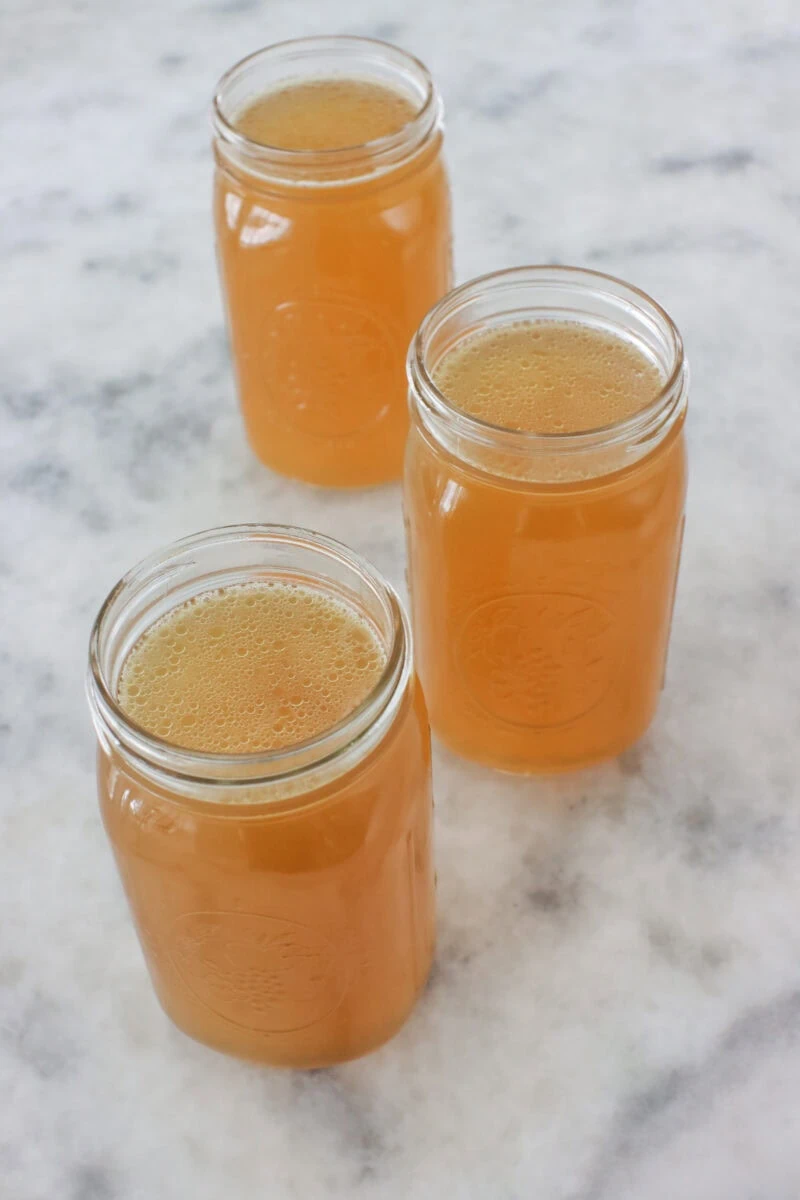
(250, 667)
(325, 114)
(547, 377)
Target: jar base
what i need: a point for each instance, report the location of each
(334, 480)
(543, 769)
(297, 1062)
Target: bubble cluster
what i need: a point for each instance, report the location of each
(250, 667)
(547, 377)
(325, 114)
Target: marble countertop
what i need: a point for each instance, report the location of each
(615, 1008)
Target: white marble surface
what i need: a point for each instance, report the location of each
(615, 1009)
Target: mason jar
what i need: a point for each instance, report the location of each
(542, 567)
(329, 259)
(284, 901)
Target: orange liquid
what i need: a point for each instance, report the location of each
(547, 377)
(249, 668)
(326, 283)
(298, 932)
(542, 610)
(325, 114)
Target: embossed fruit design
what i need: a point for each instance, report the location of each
(259, 972)
(325, 364)
(539, 659)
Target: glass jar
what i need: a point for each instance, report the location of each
(542, 568)
(284, 901)
(329, 260)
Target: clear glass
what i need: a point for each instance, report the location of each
(284, 901)
(543, 568)
(328, 261)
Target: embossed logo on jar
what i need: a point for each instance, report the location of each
(327, 364)
(258, 972)
(538, 659)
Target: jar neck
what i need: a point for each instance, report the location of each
(226, 557)
(548, 293)
(308, 59)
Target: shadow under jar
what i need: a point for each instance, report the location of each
(330, 255)
(542, 566)
(284, 900)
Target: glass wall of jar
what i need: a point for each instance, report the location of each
(284, 901)
(543, 567)
(329, 259)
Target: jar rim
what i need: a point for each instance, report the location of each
(581, 280)
(232, 771)
(336, 164)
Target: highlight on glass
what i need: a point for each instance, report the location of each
(544, 494)
(264, 780)
(332, 212)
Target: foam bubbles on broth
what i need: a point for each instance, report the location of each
(250, 667)
(547, 377)
(325, 114)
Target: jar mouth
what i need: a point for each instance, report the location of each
(519, 294)
(341, 164)
(129, 609)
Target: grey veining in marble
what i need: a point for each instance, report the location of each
(615, 1009)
